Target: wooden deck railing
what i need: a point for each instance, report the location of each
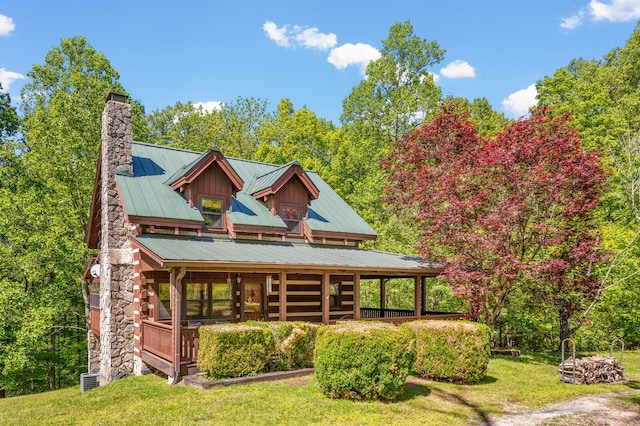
(94, 318)
(377, 313)
(158, 337)
(367, 313)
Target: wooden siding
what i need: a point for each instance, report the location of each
(304, 298)
(212, 183)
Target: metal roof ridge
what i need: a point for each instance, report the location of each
(281, 167)
(172, 148)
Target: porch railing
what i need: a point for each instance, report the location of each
(374, 313)
(94, 319)
(158, 338)
(368, 313)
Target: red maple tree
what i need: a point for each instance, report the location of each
(513, 210)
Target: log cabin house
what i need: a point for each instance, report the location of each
(187, 238)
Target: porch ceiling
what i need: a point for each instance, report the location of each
(208, 252)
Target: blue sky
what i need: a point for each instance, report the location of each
(312, 52)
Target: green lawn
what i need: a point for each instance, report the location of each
(523, 383)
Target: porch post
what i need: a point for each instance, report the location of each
(417, 285)
(176, 310)
(383, 290)
(356, 296)
(324, 293)
(423, 290)
(282, 296)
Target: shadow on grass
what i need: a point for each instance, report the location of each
(413, 389)
(633, 384)
(485, 421)
(486, 380)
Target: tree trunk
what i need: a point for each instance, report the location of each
(565, 332)
(52, 363)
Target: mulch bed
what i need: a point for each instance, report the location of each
(200, 381)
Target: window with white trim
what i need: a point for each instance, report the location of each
(212, 210)
(291, 216)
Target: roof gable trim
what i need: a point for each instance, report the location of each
(213, 156)
(287, 173)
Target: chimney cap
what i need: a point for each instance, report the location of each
(112, 96)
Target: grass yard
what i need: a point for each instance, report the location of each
(523, 384)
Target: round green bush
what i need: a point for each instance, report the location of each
(232, 350)
(454, 351)
(363, 360)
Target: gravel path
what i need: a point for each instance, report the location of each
(592, 410)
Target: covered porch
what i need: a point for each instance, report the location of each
(186, 283)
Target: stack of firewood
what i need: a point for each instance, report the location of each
(593, 369)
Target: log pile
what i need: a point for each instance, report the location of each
(593, 369)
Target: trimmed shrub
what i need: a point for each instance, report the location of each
(363, 360)
(454, 351)
(230, 350)
(292, 344)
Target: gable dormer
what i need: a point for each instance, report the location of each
(287, 192)
(208, 183)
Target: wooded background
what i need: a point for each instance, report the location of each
(49, 149)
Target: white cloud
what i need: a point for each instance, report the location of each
(208, 106)
(518, 103)
(312, 39)
(307, 37)
(615, 11)
(279, 35)
(458, 69)
(359, 54)
(6, 25)
(573, 22)
(7, 77)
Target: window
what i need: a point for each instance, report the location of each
(334, 296)
(221, 300)
(208, 300)
(164, 301)
(292, 216)
(197, 300)
(212, 210)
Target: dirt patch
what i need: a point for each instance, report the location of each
(592, 410)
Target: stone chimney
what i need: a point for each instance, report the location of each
(116, 257)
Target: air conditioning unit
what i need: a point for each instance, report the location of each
(89, 381)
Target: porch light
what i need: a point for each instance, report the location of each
(238, 278)
(269, 284)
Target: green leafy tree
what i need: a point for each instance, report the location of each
(9, 121)
(234, 127)
(45, 196)
(398, 92)
(296, 135)
(396, 95)
(603, 96)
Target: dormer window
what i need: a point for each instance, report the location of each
(291, 216)
(212, 210)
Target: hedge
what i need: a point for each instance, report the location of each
(292, 344)
(233, 350)
(454, 351)
(363, 360)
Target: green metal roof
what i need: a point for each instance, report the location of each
(176, 251)
(148, 193)
(267, 180)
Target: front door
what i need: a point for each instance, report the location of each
(253, 301)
